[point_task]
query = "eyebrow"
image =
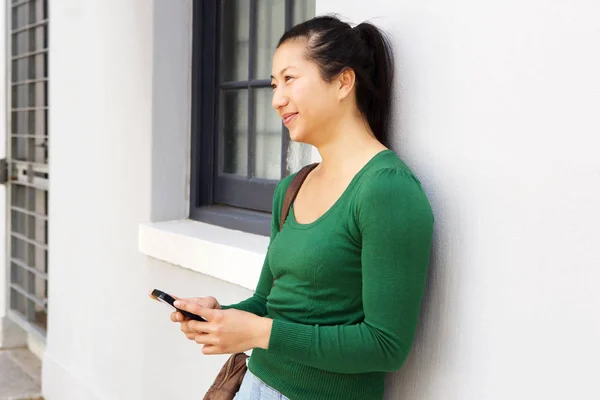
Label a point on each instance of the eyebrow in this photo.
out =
(283, 70)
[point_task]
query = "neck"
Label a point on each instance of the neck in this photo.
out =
(351, 142)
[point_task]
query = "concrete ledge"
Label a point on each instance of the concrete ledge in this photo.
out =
(229, 255)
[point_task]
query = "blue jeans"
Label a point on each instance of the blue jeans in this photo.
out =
(254, 389)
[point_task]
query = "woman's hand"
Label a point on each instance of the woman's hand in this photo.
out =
(204, 302)
(226, 331)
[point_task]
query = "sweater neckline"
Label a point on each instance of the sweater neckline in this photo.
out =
(292, 214)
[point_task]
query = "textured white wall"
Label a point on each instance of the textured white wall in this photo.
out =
(119, 120)
(495, 116)
(100, 123)
(497, 113)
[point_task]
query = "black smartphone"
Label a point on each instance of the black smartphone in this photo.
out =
(168, 299)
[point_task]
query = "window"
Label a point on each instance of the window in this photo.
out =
(240, 148)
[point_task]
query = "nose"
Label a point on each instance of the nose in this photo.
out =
(279, 99)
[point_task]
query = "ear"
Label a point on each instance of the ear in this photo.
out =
(345, 82)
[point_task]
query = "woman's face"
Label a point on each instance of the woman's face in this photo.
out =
(306, 103)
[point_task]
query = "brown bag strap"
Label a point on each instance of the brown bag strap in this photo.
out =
(292, 192)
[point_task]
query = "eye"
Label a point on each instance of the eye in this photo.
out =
(273, 86)
(287, 78)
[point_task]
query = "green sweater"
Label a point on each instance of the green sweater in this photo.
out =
(345, 291)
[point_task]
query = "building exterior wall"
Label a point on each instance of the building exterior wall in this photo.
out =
(119, 157)
(495, 113)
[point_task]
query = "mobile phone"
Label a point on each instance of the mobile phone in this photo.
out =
(169, 300)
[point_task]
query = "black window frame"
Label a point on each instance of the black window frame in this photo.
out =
(230, 201)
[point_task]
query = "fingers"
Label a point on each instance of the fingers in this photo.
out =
(205, 339)
(206, 302)
(188, 333)
(200, 327)
(190, 328)
(198, 331)
(210, 349)
(196, 327)
(185, 328)
(207, 313)
(194, 330)
(176, 316)
(191, 336)
(188, 306)
(201, 301)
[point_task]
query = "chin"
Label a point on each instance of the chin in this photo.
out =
(299, 136)
(296, 135)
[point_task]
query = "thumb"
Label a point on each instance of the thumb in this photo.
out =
(207, 302)
(206, 313)
(188, 306)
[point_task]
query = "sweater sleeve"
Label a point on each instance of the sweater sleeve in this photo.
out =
(396, 227)
(257, 304)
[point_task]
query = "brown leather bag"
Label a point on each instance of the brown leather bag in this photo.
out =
(292, 192)
(229, 379)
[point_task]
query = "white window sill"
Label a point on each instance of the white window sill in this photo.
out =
(229, 255)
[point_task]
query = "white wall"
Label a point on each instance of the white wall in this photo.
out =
(119, 120)
(494, 115)
(100, 126)
(497, 113)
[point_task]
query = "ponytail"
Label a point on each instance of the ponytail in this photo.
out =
(334, 46)
(374, 91)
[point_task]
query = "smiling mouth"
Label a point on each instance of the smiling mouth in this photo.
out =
(287, 118)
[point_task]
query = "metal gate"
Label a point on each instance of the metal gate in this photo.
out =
(27, 163)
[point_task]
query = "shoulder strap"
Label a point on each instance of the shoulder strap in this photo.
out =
(292, 192)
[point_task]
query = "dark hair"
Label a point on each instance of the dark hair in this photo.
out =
(334, 46)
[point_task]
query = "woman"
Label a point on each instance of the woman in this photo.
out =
(339, 295)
